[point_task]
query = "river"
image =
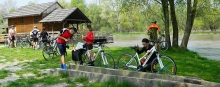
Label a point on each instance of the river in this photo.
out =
(206, 45)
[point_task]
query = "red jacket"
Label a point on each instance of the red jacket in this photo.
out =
(66, 34)
(89, 37)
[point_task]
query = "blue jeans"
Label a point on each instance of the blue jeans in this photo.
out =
(62, 48)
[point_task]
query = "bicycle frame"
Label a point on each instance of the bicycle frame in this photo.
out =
(152, 50)
(99, 48)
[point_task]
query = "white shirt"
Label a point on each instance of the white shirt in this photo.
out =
(12, 32)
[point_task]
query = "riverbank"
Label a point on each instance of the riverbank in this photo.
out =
(27, 67)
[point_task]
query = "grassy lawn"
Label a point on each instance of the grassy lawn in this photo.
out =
(188, 64)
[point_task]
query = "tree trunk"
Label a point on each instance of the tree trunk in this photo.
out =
(166, 17)
(189, 22)
(174, 24)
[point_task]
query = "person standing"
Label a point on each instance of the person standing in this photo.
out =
(89, 38)
(44, 35)
(11, 35)
(64, 36)
(153, 31)
(35, 33)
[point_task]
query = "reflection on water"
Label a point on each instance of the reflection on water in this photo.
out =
(206, 45)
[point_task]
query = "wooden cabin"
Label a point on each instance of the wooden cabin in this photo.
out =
(50, 15)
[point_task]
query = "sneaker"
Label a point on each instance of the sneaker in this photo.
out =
(64, 66)
(81, 62)
(61, 66)
(91, 63)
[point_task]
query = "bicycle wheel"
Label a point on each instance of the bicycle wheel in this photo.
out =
(163, 45)
(127, 62)
(19, 44)
(48, 53)
(25, 44)
(7, 43)
(110, 63)
(167, 63)
(85, 58)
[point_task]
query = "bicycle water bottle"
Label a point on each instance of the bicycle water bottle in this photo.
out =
(143, 60)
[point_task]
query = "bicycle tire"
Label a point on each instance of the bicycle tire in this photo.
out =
(164, 45)
(19, 44)
(85, 58)
(48, 53)
(7, 44)
(99, 62)
(168, 63)
(124, 59)
(25, 44)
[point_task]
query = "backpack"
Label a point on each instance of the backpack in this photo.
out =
(64, 30)
(44, 34)
(35, 32)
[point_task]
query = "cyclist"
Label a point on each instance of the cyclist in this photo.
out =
(44, 36)
(34, 34)
(12, 36)
(64, 36)
(146, 48)
(89, 38)
(153, 31)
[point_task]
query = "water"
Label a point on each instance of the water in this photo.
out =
(205, 45)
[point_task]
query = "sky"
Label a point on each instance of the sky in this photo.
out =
(20, 3)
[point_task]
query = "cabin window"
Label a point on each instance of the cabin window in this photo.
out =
(21, 20)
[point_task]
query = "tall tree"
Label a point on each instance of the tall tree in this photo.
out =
(166, 20)
(191, 12)
(174, 24)
(78, 3)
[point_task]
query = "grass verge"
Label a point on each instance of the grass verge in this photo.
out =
(188, 64)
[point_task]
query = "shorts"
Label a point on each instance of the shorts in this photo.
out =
(89, 46)
(35, 39)
(12, 38)
(45, 41)
(62, 48)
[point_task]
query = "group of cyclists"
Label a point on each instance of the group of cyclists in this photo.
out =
(66, 34)
(35, 34)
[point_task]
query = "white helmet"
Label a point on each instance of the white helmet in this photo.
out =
(35, 26)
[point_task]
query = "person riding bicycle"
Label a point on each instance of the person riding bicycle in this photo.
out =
(146, 48)
(89, 38)
(34, 34)
(12, 36)
(64, 36)
(44, 36)
(153, 31)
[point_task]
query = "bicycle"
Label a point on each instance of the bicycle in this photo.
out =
(161, 64)
(27, 43)
(48, 52)
(160, 45)
(19, 42)
(7, 42)
(107, 59)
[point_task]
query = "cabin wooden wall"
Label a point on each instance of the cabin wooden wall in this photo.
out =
(56, 26)
(25, 24)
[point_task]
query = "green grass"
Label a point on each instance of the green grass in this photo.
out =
(3, 73)
(47, 80)
(188, 64)
(82, 79)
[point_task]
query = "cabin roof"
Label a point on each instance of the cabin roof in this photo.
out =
(30, 10)
(71, 15)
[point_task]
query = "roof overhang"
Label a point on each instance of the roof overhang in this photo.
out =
(73, 16)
